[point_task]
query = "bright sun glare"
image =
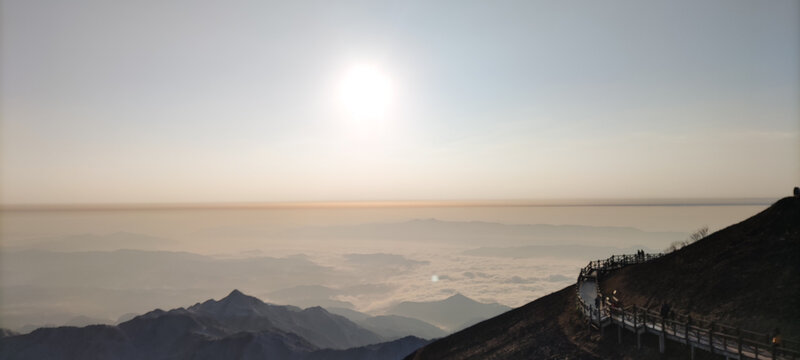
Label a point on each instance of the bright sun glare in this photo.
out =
(366, 92)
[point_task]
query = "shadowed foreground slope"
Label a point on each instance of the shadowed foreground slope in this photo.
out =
(541, 329)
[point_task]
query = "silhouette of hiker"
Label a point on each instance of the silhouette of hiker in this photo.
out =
(664, 310)
(776, 337)
(796, 191)
(597, 301)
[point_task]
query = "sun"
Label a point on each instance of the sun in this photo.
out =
(366, 92)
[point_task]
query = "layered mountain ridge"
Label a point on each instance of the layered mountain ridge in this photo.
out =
(238, 326)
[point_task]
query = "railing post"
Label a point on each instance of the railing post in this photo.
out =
(623, 317)
(636, 327)
(600, 323)
(711, 337)
(645, 319)
(739, 336)
(725, 345)
(661, 336)
(686, 334)
(599, 319)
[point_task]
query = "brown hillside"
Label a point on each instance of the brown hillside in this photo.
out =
(538, 330)
(746, 275)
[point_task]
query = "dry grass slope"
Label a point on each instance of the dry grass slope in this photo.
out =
(746, 275)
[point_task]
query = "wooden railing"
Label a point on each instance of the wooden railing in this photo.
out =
(704, 334)
(616, 262)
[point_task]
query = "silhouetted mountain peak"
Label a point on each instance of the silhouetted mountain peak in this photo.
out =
(457, 297)
(450, 312)
(238, 297)
(236, 304)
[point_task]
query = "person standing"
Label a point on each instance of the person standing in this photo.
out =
(776, 338)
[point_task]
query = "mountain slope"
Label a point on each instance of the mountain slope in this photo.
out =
(533, 331)
(252, 345)
(91, 342)
(170, 332)
(396, 349)
(746, 274)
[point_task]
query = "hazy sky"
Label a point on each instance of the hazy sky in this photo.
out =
(175, 101)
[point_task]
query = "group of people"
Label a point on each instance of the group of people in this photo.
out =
(613, 301)
(640, 255)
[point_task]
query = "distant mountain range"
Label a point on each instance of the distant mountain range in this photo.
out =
(104, 284)
(238, 326)
(479, 233)
(555, 251)
(98, 242)
(449, 313)
(391, 326)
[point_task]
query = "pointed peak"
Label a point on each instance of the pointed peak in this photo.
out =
(458, 296)
(239, 297)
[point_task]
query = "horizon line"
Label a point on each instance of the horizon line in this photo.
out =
(125, 206)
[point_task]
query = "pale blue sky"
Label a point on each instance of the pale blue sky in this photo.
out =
(181, 101)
